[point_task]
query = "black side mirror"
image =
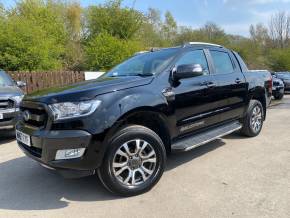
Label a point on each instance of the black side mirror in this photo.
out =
(20, 84)
(188, 71)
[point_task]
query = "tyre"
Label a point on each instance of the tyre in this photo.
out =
(279, 96)
(134, 161)
(253, 121)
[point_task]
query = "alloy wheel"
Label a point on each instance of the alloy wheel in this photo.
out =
(256, 119)
(134, 162)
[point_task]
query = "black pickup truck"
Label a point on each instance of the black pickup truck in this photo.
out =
(124, 124)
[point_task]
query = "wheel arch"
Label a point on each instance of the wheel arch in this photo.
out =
(260, 95)
(149, 117)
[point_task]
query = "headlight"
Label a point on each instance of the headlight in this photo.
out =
(67, 110)
(17, 99)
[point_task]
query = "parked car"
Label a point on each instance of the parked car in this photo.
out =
(278, 88)
(123, 124)
(10, 98)
(285, 77)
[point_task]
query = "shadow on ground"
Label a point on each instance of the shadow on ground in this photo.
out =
(6, 136)
(25, 185)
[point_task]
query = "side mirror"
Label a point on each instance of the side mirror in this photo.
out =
(20, 84)
(188, 71)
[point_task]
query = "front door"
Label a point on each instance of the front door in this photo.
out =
(195, 103)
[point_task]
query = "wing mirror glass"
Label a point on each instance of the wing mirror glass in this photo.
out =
(20, 84)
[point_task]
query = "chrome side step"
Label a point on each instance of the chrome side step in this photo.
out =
(192, 142)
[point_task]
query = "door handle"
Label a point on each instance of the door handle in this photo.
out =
(210, 84)
(238, 80)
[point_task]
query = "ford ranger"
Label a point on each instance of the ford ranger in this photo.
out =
(122, 125)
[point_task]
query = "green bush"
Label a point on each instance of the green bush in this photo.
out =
(105, 51)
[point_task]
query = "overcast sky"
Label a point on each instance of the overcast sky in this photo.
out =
(235, 16)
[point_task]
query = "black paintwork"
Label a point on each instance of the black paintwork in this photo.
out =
(285, 77)
(184, 107)
(278, 87)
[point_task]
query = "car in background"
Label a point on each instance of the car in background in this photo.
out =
(10, 98)
(278, 88)
(285, 77)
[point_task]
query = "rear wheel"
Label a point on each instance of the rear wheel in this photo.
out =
(134, 162)
(253, 121)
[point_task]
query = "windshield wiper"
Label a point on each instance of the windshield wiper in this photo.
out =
(143, 74)
(138, 74)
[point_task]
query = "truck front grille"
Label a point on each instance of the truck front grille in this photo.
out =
(33, 114)
(6, 104)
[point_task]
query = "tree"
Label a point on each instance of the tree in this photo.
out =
(279, 29)
(169, 28)
(150, 31)
(105, 51)
(74, 51)
(259, 34)
(120, 22)
(211, 32)
(32, 37)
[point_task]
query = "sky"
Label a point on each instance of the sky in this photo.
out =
(234, 16)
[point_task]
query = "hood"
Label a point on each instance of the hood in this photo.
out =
(87, 90)
(9, 91)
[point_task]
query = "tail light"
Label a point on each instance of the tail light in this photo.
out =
(271, 84)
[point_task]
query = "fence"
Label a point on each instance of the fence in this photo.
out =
(36, 81)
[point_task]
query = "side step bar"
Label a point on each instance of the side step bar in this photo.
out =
(192, 142)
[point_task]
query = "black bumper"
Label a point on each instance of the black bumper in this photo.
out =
(278, 90)
(9, 119)
(45, 144)
(287, 85)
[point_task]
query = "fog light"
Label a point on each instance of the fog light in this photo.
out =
(69, 153)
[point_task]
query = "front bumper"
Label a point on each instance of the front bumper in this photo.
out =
(278, 90)
(9, 118)
(287, 85)
(45, 144)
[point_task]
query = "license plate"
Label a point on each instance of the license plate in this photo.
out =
(1, 117)
(23, 138)
(274, 88)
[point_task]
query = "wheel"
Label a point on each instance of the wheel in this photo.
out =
(253, 121)
(279, 96)
(134, 161)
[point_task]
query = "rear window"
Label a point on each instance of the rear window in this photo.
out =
(242, 64)
(222, 62)
(283, 75)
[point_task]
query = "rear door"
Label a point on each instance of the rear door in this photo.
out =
(231, 90)
(195, 103)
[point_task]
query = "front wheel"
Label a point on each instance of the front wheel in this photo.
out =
(253, 121)
(134, 161)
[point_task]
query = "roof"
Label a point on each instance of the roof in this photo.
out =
(202, 43)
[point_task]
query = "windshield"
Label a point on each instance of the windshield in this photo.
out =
(145, 64)
(5, 80)
(283, 75)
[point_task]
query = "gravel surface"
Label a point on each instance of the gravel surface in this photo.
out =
(231, 177)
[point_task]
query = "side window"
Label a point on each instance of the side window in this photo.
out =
(194, 57)
(222, 62)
